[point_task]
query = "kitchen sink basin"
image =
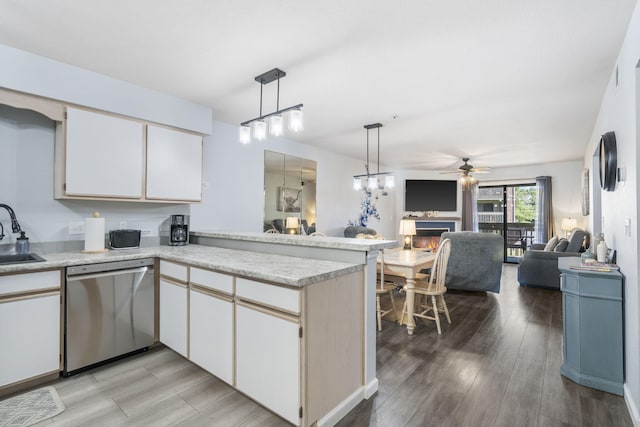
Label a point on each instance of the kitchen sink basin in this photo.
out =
(20, 258)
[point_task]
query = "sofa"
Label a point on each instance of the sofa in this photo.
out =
(539, 265)
(475, 263)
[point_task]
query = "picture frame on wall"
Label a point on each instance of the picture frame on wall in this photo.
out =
(289, 199)
(585, 192)
(610, 257)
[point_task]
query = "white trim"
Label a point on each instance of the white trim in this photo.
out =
(631, 406)
(371, 388)
(531, 181)
(342, 409)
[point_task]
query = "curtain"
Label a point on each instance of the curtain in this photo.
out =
(544, 210)
(470, 207)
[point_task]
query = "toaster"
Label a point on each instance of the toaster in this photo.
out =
(124, 239)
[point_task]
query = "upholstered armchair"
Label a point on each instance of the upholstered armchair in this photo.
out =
(539, 265)
(475, 263)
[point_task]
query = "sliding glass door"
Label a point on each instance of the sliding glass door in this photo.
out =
(509, 210)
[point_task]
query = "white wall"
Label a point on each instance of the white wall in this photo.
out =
(26, 184)
(233, 199)
(619, 113)
(566, 187)
(25, 72)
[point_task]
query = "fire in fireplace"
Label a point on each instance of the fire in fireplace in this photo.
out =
(428, 238)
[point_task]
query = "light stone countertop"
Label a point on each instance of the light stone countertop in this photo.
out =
(287, 270)
(363, 245)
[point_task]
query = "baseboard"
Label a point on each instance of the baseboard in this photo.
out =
(342, 409)
(631, 406)
(371, 388)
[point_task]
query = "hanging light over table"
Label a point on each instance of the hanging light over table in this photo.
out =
(377, 180)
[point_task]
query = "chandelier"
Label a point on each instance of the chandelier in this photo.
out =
(275, 122)
(377, 180)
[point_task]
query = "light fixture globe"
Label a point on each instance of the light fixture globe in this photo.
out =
(276, 125)
(259, 129)
(244, 134)
(372, 183)
(296, 120)
(357, 183)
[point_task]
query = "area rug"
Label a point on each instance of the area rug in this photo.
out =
(30, 408)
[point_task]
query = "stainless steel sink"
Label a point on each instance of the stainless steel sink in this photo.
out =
(20, 258)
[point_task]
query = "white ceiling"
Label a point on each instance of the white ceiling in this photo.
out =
(505, 82)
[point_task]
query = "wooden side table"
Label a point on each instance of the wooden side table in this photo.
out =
(593, 328)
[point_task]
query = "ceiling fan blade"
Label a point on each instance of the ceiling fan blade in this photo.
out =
(446, 172)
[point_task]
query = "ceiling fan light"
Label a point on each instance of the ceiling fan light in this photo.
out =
(357, 183)
(276, 125)
(259, 129)
(244, 134)
(296, 120)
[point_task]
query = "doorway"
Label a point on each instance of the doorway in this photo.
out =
(509, 210)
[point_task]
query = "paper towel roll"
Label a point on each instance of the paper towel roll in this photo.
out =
(94, 233)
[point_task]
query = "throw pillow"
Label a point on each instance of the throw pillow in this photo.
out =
(551, 244)
(561, 246)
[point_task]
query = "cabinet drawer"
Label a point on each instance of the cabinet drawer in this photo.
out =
(271, 295)
(212, 280)
(18, 283)
(175, 271)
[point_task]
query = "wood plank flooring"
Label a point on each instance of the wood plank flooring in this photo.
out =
(497, 364)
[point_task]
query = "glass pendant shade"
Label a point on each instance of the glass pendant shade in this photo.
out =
(244, 134)
(276, 125)
(357, 184)
(372, 183)
(259, 129)
(389, 181)
(296, 120)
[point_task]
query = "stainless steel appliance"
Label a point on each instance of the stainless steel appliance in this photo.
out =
(109, 311)
(124, 239)
(179, 230)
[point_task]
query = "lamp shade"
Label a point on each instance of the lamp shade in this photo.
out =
(292, 222)
(568, 224)
(407, 227)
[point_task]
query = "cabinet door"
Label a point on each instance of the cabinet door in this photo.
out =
(29, 337)
(211, 334)
(174, 165)
(173, 316)
(104, 155)
(268, 360)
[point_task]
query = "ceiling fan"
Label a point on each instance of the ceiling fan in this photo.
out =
(465, 170)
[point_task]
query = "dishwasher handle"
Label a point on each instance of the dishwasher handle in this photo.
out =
(108, 273)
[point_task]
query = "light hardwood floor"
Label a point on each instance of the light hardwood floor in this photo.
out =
(496, 365)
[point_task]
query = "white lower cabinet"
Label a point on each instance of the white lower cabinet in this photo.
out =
(29, 326)
(268, 359)
(173, 316)
(211, 333)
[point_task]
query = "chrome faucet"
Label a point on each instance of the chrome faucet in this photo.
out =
(15, 226)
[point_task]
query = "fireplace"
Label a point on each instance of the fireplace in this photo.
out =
(428, 233)
(428, 238)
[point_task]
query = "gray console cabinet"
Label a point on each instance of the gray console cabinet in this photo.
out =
(593, 329)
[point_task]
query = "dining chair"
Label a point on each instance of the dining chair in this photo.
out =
(434, 287)
(272, 231)
(384, 287)
(318, 234)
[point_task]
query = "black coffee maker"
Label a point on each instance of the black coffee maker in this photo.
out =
(178, 230)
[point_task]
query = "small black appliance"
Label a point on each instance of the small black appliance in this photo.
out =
(179, 230)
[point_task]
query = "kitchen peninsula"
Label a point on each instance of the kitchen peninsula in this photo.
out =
(301, 311)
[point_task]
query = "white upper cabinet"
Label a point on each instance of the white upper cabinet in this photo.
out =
(174, 165)
(104, 156)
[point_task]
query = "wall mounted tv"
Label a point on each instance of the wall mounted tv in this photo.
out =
(430, 195)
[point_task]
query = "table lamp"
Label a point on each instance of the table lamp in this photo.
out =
(568, 224)
(407, 229)
(292, 223)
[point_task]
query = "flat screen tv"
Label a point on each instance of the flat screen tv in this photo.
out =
(430, 195)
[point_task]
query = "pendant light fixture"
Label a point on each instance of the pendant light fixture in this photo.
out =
(271, 122)
(378, 180)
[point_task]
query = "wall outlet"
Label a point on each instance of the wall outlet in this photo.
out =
(76, 227)
(122, 225)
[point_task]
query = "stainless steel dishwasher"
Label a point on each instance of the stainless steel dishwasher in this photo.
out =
(109, 312)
